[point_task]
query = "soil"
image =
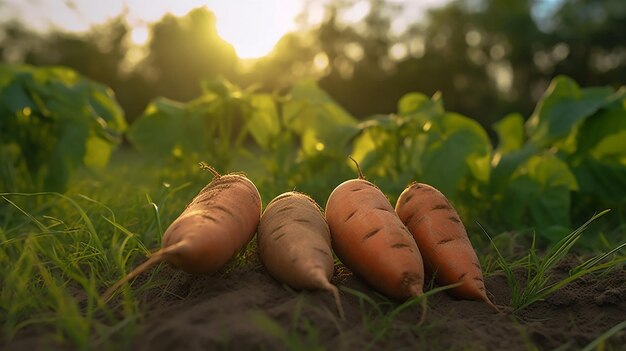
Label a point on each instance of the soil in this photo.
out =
(246, 309)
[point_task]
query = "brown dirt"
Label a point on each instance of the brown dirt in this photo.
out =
(245, 309)
(227, 312)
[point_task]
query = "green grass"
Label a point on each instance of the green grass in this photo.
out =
(59, 252)
(538, 283)
(306, 340)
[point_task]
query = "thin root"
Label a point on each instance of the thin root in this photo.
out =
(424, 309)
(155, 258)
(486, 299)
(358, 168)
(333, 289)
(206, 167)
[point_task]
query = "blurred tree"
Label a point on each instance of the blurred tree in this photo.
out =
(480, 54)
(97, 54)
(184, 51)
(294, 58)
(589, 42)
(359, 58)
(487, 57)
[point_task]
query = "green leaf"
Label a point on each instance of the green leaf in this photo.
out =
(166, 129)
(97, 153)
(66, 156)
(538, 192)
(510, 131)
(107, 113)
(505, 166)
(563, 106)
(612, 146)
(463, 149)
(55, 111)
(550, 171)
(416, 102)
(312, 113)
(15, 98)
(264, 124)
(604, 180)
(606, 123)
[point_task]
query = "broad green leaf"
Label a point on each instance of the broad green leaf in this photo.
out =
(67, 154)
(563, 106)
(604, 180)
(370, 151)
(264, 124)
(550, 171)
(209, 127)
(220, 87)
(613, 146)
(311, 112)
(416, 102)
(505, 166)
(108, 114)
(464, 149)
(97, 153)
(309, 91)
(15, 98)
(550, 208)
(538, 194)
(163, 129)
(444, 163)
(54, 110)
(510, 131)
(608, 121)
(478, 149)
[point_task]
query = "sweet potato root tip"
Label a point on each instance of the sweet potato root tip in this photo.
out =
(333, 290)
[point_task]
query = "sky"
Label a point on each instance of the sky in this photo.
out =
(253, 27)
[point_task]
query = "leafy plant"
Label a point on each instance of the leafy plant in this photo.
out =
(52, 121)
(210, 127)
(567, 152)
(424, 142)
(285, 141)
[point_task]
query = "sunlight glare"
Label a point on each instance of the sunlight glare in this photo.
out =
(253, 27)
(140, 35)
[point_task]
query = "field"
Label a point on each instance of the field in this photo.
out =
(78, 211)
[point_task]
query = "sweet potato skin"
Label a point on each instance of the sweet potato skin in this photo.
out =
(369, 238)
(442, 240)
(294, 241)
(216, 224)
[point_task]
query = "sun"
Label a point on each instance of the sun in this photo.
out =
(253, 27)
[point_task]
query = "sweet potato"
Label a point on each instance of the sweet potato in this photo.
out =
(294, 244)
(369, 238)
(442, 240)
(213, 227)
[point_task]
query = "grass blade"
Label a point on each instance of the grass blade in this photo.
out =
(595, 344)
